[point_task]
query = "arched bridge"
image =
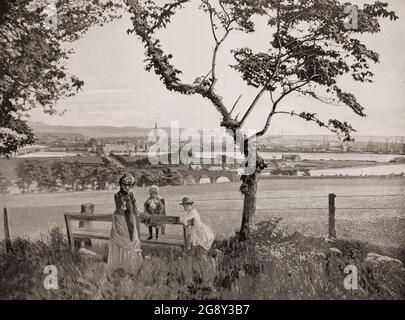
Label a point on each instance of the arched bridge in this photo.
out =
(213, 176)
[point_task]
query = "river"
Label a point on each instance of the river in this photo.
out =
(266, 155)
(333, 156)
(378, 170)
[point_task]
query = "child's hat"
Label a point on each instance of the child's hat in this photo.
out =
(186, 200)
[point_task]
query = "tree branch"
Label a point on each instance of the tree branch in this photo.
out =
(234, 105)
(273, 110)
(259, 95)
(218, 42)
(333, 125)
(169, 74)
(252, 105)
(210, 11)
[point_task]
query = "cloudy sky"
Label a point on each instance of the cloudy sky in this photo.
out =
(119, 92)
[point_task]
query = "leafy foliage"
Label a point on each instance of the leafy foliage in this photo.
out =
(54, 175)
(28, 172)
(79, 175)
(32, 59)
(165, 177)
(311, 48)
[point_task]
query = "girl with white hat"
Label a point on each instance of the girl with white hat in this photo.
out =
(201, 235)
(153, 206)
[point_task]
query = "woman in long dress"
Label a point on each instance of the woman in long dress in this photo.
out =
(201, 235)
(125, 247)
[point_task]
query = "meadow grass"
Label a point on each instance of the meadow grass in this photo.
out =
(271, 265)
(303, 205)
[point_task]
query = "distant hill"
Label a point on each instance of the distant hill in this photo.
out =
(108, 131)
(90, 131)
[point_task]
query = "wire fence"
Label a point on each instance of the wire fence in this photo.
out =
(301, 204)
(308, 198)
(301, 197)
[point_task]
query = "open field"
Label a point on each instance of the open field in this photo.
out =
(302, 203)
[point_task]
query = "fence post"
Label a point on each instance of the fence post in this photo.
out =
(86, 208)
(332, 209)
(163, 227)
(69, 231)
(7, 231)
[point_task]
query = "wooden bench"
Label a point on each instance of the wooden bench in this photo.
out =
(77, 235)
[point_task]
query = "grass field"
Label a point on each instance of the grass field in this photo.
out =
(271, 265)
(301, 203)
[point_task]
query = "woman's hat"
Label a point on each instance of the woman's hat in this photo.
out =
(127, 179)
(186, 200)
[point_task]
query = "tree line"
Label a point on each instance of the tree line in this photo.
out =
(77, 176)
(165, 177)
(70, 175)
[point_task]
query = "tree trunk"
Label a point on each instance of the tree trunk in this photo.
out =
(249, 190)
(249, 205)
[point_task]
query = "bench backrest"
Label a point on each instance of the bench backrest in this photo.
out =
(159, 219)
(89, 217)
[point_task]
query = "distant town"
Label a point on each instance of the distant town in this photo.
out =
(90, 158)
(98, 140)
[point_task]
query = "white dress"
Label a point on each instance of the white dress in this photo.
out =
(122, 252)
(201, 234)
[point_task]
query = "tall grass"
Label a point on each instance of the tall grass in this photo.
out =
(272, 265)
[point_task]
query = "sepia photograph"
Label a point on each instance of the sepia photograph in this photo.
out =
(202, 156)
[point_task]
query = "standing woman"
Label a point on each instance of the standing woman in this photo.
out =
(125, 247)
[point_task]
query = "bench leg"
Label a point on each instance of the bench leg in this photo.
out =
(186, 234)
(80, 244)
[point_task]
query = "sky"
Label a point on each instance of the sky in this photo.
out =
(119, 92)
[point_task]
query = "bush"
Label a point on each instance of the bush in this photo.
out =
(165, 177)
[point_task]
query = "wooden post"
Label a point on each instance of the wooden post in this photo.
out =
(187, 235)
(332, 209)
(86, 208)
(186, 238)
(163, 228)
(7, 232)
(69, 231)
